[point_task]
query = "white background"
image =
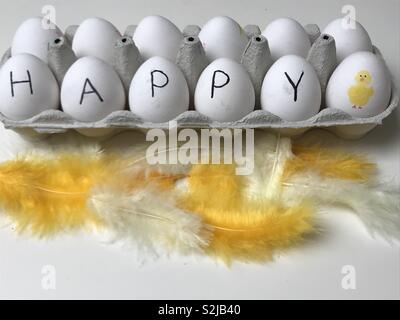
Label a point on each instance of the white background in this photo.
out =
(87, 268)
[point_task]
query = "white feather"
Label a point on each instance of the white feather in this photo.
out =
(270, 154)
(150, 221)
(378, 208)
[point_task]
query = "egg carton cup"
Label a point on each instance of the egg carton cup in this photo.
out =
(192, 60)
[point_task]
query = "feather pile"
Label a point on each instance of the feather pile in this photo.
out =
(195, 209)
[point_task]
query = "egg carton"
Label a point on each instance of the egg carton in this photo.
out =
(192, 61)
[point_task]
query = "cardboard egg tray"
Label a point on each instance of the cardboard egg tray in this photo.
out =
(192, 61)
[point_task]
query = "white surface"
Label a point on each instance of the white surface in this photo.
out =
(85, 268)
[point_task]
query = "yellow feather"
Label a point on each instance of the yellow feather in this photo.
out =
(46, 193)
(244, 229)
(214, 186)
(328, 164)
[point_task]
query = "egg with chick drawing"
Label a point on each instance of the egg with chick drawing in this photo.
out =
(360, 85)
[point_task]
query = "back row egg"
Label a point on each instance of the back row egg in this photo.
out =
(350, 37)
(33, 36)
(96, 37)
(157, 36)
(287, 37)
(223, 37)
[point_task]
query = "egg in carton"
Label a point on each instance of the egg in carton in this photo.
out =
(192, 60)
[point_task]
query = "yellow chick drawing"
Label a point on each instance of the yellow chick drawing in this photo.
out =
(360, 93)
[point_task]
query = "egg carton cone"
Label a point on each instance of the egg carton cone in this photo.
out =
(192, 60)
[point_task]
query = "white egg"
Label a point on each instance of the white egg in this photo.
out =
(291, 89)
(350, 37)
(27, 87)
(360, 85)
(91, 90)
(223, 37)
(158, 91)
(95, 37)
(34, 36)
(224, 91)
(157, 36)
(285, 37)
